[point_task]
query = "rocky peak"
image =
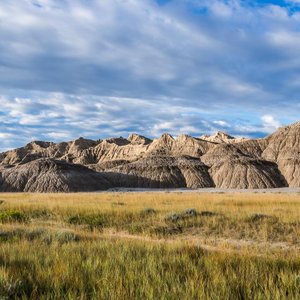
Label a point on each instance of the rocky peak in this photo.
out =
(166, 138)
(136, 139)
(222, 138)
(38, 145)
(83, 143)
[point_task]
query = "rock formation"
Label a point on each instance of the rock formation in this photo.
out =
(221, 138)
(167, 162)
(163, 172)
(48, 175)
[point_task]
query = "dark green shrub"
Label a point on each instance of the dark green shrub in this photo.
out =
(258, 217)
(10, 289)
(190, 212)
(166, 230)
(66, 236)
(94, 221)
(118, 203)
(13, 216)
(174, 217)
(148, 211)
(207, 214)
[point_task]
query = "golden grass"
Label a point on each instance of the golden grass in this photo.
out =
(150, 246)
(283, 205)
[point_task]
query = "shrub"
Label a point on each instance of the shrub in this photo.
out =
(66, 236)
(148, 211)
(118, 203)
(10, 289)
(40, 213)
(207, 213)
(35, 233)
(165, 230)
(8, 235)
(98, 221)
(174, 217)
(190, 212)
(13, 216)
(258, 217)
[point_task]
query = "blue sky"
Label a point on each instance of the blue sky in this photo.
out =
(101, 68)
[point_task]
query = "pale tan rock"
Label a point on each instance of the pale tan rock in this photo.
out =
(222, 138)
(136, 139)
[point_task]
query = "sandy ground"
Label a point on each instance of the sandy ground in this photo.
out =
(205, 190)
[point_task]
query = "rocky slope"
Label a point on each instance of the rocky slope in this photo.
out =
(48, 175)
(167, 162)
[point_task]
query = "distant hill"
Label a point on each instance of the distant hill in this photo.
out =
(220, 161)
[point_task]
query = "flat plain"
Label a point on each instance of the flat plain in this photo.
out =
(147, 245)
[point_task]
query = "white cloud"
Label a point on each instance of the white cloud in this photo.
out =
(5, 135)
(221, 123)
(58, 135)
(219, 8)
(270, 124)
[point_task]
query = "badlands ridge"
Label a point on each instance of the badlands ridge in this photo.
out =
(219, 161)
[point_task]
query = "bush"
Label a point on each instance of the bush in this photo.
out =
(98, 221)
(258, 217)
(40, 213)
(207, 213)
(10, 289)
(165, 230)
(9, 235)
(148, 211)
(174, 217)
(13, 216)
(118, 203)
(190, 212)
(66, 236)
(35, 233)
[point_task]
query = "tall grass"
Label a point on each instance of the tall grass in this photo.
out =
(135, 270)
(149, 246)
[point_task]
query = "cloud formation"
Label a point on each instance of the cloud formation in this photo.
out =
(102, 68)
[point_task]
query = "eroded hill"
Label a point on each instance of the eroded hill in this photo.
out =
(220, 161)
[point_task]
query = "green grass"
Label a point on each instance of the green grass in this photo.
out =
(149, 246)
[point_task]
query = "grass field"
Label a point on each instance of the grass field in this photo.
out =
(150, 246)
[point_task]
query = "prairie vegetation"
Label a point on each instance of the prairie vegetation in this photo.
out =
(150, 246)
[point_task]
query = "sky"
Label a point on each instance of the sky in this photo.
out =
(103, 68)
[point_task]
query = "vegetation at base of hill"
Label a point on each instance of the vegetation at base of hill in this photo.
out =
(152, 246)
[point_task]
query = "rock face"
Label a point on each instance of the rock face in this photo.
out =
(245, 173)
(48, 175)
(162, 172)
(283, 148)
(167, 162)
